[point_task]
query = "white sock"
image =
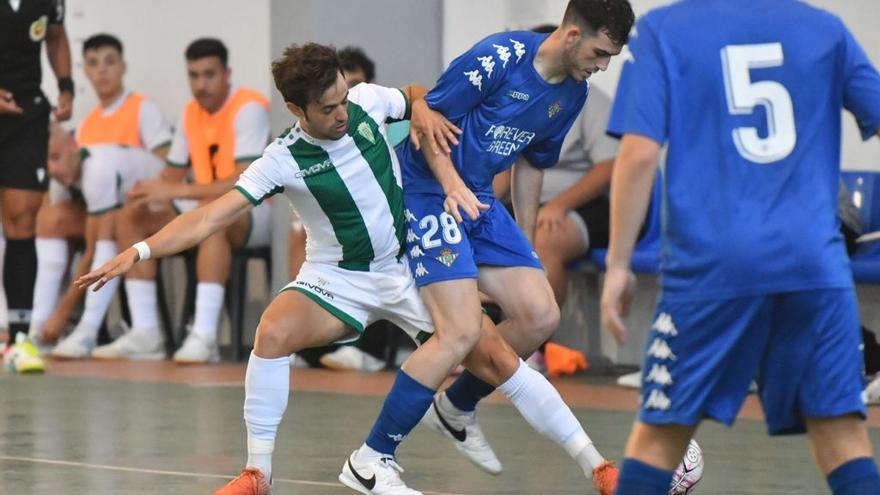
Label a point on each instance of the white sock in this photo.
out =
(4, 309)
(266, 389)
(142, 300)
(209, 303)
(51, 265)
(542, 407)
(96, 303)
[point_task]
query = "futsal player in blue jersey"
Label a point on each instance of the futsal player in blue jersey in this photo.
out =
(514, 96)
(755, 277)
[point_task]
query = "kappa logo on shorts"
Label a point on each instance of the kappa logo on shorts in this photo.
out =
(658, 400)
(664, 325)
(409, 215)
(421, 271)
(660, 349)
(447, 257)
(411, 236)
(416, 252)
(660, 375)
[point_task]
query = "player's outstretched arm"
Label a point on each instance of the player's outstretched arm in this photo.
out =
(183, 232)
(631, 181)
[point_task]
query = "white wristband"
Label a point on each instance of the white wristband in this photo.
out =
(143, 250)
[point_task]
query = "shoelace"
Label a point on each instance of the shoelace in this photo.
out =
(392, 477)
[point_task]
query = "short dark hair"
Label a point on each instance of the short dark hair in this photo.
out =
(207, 47)
(101, 40)
(545, 28)
(613, 17)
(352, 58)
(304, 72)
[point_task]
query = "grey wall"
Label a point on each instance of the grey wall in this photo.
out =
(403, 37)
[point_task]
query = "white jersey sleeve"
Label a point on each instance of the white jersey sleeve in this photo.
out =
(178, 154)
(379, 102)
(101, 183)
(262, 179)
(155, 131)
(252, 131)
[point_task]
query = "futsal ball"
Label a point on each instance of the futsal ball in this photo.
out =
(689, 472)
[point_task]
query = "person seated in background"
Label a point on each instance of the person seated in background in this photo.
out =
(95, 178)
(122, 117)
(369, 353)
(220, 131)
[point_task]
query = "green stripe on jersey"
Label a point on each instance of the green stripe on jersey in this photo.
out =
(371, 142)
(336, 201)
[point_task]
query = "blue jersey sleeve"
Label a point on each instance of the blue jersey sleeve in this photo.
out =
(641, 104)
(472, 77)
(545, 153)
(861, 86)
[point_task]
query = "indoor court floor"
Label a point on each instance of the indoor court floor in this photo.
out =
(157, 428)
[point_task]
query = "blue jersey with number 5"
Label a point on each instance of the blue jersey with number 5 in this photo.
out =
(750, 107)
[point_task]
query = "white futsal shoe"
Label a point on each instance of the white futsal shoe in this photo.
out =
(464, 431)
(372, 475)
(197, 349)
(136, 345)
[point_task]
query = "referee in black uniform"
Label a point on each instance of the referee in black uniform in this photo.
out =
(24, 136)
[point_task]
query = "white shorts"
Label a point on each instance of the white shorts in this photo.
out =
(362, 298)
(260, 233)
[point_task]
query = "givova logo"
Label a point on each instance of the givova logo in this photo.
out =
(315, 169)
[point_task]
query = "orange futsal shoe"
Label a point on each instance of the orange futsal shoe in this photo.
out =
(250, 482)
(605, 478)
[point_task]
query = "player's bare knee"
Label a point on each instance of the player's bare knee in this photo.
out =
(459, 340)
(272, 339)
(20, 222)
(540, 318)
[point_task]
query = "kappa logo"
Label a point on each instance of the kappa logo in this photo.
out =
(664, 325)
(503, 54)
(366, 131)
(475, 78)
(447, 257)
(397, 437)
(421, 271)
(658, 400)
(409, 216)
(314, 169)
(416, 252)
(411, 236)
(660, 349)
(660, 375)
(518, 48)
(488, 64)
(554, 109)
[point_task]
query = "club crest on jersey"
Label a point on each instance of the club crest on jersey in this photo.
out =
(38, 29)
(447, 257)
(554, 109)
(367, 132)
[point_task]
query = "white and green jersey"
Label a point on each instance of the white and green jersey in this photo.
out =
(348, 191)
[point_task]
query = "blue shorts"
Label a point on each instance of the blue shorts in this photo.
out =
(802, 348)
(441, 249)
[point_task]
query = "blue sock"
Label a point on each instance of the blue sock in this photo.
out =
(638, 478)
(406, 403)
(467, 390)
(856, 477)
